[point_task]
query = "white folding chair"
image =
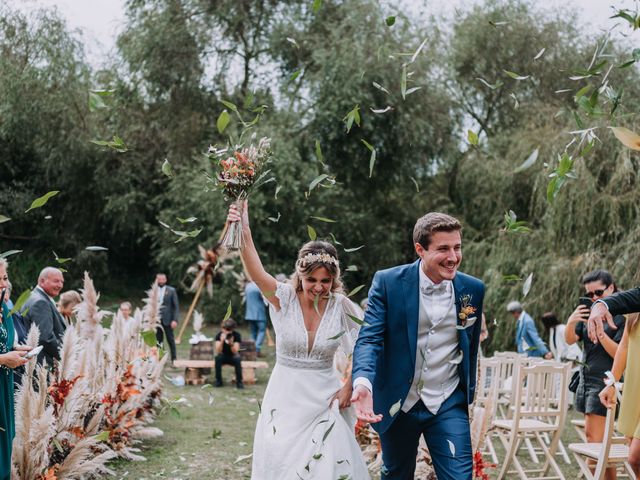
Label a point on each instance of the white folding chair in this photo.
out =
(612, 452)
(539, 409)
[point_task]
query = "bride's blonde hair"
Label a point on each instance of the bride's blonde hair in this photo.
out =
(314, 255)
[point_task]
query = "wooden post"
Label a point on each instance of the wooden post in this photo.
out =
(192, 307)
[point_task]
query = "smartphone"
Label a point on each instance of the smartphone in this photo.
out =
(34, 352)
(586, 301)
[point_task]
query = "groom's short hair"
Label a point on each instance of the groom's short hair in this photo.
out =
(431, 223)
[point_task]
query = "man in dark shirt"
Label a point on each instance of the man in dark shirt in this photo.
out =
(227, 347)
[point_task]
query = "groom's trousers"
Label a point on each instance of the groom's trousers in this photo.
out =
(446, 433)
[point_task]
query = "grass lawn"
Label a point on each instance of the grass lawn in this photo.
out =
(213, 434)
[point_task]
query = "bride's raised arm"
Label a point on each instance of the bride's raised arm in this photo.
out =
(250, 258)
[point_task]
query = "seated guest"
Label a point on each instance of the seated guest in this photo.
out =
(227, 347)
(68, 301)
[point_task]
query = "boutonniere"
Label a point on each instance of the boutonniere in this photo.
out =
(466, 312)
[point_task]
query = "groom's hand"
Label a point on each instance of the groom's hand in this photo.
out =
(362, 400)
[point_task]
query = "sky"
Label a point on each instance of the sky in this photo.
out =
(99, 21)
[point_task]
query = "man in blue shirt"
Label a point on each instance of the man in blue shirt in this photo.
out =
(527, 338)
(255, 314)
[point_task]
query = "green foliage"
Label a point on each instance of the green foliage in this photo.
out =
(372, 125)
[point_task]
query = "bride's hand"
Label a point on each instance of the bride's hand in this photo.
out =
(235, 216)
(343, 396)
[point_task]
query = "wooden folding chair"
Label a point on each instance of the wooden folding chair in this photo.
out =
(539, 410)
(486, 397)
(612, 452)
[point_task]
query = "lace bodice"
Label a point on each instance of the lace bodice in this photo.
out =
(336, 330)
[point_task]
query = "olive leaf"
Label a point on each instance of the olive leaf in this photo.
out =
(42, 201)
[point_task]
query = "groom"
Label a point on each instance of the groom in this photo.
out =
(414, 364)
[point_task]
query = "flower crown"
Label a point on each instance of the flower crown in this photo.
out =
(311, 258)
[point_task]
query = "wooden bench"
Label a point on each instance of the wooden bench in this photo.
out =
(248, 367)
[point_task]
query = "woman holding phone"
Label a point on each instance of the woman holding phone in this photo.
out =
(597, 358)
(10, 358)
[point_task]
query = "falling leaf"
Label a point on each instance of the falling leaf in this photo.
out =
(293, 42)
(354, 249)
(96, 248)
(388, 108)
(312, 233)
(357, 320)
(390, 21)
(116, 144)
(4, 219)
(513, 225)
(275, 195)
(337, 336)
(403, 82)
(472, 137)
(381, 88)
(417, 52)
(526, 286)
(351, 117)
(24, 296)
(355, 290)
(326, 434)
(372, 161)
(324, 219)
(416, 184)
(41, 201)
(511, 278)
(458, 359)
(223, 121)
(227, 315)
(628, 138)
(515, 76)
(351, 268)
(242, 458)
(8, 253)
(452, 447)
(186, 220)
(149, 338)
(516, 103)
(469, 323)
(319, 155)
(316, 181)
(316, 5)
(61, 261)
(498, 84)
(166, 168)
(102, 436)
(274, 219)
(529, 162)
(395, 408)
(539, 54)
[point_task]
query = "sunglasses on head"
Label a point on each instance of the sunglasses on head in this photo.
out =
(596, 293)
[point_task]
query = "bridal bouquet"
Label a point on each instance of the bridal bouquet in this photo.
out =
(240, 170)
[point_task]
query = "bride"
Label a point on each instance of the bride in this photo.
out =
(305, 429)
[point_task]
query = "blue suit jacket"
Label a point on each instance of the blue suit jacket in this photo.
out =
(385, 352)
(527, 330)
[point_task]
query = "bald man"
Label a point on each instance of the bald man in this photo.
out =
(40, 309)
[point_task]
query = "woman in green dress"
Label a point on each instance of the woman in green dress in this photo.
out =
(10, 358)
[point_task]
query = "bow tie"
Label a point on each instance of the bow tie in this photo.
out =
(439, 289)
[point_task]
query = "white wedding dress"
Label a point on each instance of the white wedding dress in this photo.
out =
(299, 435)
